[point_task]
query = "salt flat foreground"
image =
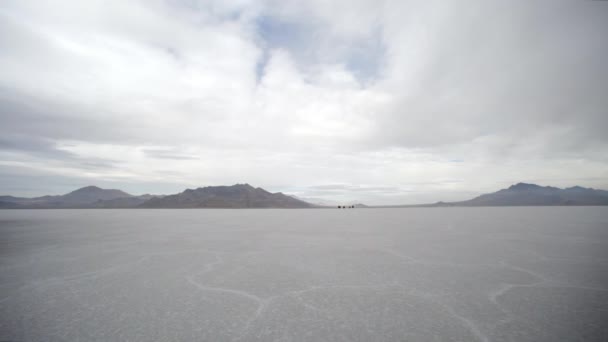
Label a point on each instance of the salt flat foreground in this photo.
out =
(437, 274)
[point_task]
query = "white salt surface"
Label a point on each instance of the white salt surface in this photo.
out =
(435, 274)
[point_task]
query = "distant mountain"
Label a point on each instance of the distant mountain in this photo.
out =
(92, 194)
(82, 198)
(235, 196)
(523, 194)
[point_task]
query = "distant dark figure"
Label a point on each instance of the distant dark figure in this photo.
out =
(339, 207)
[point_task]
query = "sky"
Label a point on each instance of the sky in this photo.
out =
(379, 102)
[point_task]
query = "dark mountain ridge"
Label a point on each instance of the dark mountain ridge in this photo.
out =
(235, 196)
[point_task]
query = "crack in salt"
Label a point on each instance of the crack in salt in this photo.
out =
(468, 323)
(261, 302)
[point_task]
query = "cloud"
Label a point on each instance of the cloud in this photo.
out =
(378, 97)
(167, 154)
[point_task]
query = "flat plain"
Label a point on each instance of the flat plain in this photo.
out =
(423, 274)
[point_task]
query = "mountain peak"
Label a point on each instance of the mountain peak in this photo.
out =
(88, 188)
(578, 188)
(524, 186)
(92, 193)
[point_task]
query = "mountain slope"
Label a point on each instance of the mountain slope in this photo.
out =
(235, 196)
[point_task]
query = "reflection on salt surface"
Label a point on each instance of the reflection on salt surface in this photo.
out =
(444, 274)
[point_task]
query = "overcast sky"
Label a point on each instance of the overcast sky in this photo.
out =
(370, 101)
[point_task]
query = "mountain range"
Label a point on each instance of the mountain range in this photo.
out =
(524, 194)
(246, 196)
(235, 196)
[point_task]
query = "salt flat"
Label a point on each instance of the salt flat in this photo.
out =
(434, 274)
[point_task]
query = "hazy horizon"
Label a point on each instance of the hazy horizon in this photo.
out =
(311, 200)
(380, 102)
